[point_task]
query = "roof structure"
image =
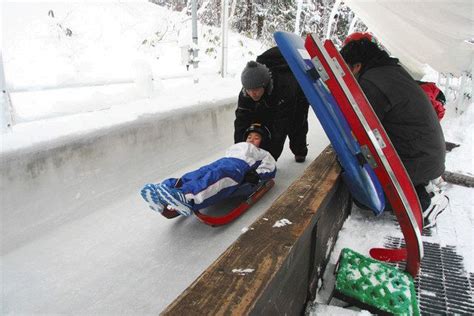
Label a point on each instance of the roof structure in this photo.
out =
(439, 33)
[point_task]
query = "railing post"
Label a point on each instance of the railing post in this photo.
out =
(6, 113)
(195, 48)
(224, 46)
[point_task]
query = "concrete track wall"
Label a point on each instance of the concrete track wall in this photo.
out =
(76, 236)
(50, 184)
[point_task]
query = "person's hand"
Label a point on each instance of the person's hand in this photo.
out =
(252, 177)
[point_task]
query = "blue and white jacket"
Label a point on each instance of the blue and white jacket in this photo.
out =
(221, 178)
(254, 157)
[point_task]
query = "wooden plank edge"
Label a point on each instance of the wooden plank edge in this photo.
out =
(240, 281)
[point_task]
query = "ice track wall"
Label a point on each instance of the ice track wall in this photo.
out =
(48, 185)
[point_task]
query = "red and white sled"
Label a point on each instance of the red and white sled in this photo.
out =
(214, 221)
(380, 152)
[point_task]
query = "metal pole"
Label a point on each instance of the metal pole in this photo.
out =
(224, 5)
(194, 19)
(6, 116)
(195, 39)
(298, 14)
(461, 99)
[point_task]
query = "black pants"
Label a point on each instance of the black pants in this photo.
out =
(294, 125)
(423, 196)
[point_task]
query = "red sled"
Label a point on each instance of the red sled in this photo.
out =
(214, 221)
(380, 153)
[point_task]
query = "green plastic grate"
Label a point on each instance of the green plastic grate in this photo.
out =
(376, 284)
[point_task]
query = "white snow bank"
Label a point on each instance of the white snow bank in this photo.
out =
(58, 129)
(328, 310)
(458, 129)
(110, 41)
(125, 54)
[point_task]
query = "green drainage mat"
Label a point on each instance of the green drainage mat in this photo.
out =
(375, 284)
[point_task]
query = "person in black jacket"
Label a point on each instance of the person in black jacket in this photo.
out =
(406, 115)
(271, 96)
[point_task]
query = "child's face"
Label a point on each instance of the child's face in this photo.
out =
(254, 138)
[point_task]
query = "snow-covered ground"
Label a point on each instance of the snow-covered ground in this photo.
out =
(121, 66)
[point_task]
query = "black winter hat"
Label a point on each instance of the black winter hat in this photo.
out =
(255, 75)
(260, 129)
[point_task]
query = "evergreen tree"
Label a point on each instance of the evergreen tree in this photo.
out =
(259, 19)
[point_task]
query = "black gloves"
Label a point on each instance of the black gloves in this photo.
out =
(252, 177)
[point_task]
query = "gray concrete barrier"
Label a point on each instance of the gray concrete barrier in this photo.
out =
(49, 184)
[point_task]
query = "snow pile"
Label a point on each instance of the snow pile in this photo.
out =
(363, 231)
(108, 41)
(281, 223)
(243, 271)
(327, 310)
(458, 129)
(116, 54)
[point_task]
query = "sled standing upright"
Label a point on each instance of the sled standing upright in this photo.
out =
(325, 63)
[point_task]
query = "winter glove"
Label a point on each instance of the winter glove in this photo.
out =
(252, 177)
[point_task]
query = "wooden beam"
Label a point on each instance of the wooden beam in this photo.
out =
(268, 269)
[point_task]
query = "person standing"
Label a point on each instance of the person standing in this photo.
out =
(271, 95)
(406, 115)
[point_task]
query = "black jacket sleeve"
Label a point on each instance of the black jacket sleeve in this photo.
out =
(243, 118)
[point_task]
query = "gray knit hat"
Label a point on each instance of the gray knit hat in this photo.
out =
(255, 75)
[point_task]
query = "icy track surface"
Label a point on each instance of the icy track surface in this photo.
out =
(110, 254)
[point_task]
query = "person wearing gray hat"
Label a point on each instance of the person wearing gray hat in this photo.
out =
(255, 76)
(271, 96)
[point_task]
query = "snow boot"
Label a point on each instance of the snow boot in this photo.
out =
(173, 199)
(299, 158)
(437, 185)
(439, 202)
(150, 195)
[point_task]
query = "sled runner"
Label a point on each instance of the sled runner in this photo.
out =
(369, 132)
(251, 193)
(357, 174)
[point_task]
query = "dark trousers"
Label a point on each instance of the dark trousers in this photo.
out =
(423, 196)
(295, 126)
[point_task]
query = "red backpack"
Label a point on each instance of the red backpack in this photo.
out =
(436, 97)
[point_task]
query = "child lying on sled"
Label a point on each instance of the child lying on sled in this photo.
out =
(243, 162)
